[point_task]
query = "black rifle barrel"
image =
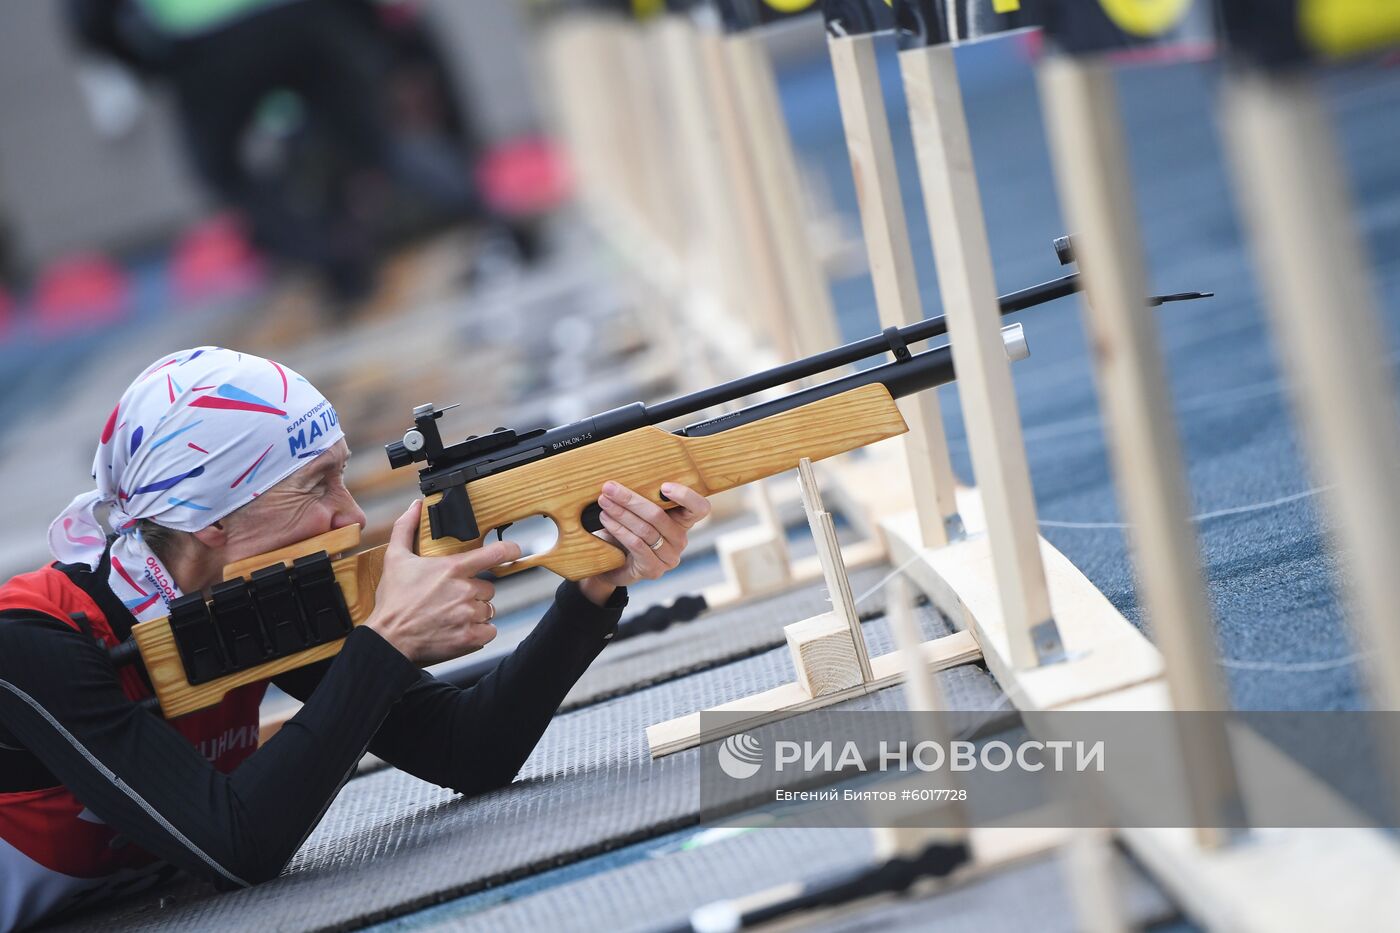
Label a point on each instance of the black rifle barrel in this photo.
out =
(902, 377)
(843, 355)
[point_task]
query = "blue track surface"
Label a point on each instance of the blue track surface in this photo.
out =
(1272, 577)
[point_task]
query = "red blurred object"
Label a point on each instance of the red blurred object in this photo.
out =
(1032, 44)
(524, 178)
(81, 290)
(7, 314)
(214, 259)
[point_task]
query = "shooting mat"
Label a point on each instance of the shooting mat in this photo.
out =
(391, 843)
(661, 888)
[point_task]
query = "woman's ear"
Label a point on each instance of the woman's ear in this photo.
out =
(213, 536)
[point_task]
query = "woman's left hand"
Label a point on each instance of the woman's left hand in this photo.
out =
(653, 537)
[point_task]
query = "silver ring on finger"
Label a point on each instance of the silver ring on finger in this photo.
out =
(490, 611)
(659, 541)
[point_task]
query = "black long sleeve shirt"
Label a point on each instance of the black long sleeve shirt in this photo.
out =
(65, 720)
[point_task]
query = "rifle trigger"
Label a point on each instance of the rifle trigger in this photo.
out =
(501, 531)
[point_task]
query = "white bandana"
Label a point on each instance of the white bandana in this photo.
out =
(199, 434)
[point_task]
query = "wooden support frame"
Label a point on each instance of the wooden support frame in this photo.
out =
(927, 468)
(1092, 168)
(968, 287)
(1104, 652)
(864, 674)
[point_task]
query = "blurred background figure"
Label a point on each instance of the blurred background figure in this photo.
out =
(330, 125)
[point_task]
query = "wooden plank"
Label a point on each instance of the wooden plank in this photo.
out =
(1310, 257)
(644, 82)
(674, 735)
(926, 701)
(927, 471)
(1104, 651)
(729, 252)
(1280, 879)
(968, 287)
(1095, 886)
(767, 299)
(838, 584)
(806, 297)
(1092, 168)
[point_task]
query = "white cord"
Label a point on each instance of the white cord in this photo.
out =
(1203, 517)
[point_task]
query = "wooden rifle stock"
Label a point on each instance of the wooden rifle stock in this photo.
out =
(562, 487)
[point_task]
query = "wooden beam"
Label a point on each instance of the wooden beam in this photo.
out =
(721, 240)
(968, 287)
(1310, 261)
(1095, 186)
(838, 584)
(824, 655)
(807, 299)
(684, 732)
(766, 298)
(927, 470)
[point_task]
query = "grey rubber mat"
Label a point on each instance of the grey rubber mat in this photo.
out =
(1032, 896)
(714, 638)
(391, 844)
(661, 891)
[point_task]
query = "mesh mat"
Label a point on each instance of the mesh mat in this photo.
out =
(713, 638)
(391, 844)
(1033, 896)
(661, 891)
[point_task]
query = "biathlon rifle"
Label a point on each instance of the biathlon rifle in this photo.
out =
(292, 607)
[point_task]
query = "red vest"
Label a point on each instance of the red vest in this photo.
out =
(53, 852)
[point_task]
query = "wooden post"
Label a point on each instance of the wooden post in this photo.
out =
(720, 240)
(929, 470)
(1091, 165)
(969, 294)
(843, 603)
(1094, 884)
(806, 298)
(928, 709)
(1310, 262)
(766, 300)
(645, 81)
